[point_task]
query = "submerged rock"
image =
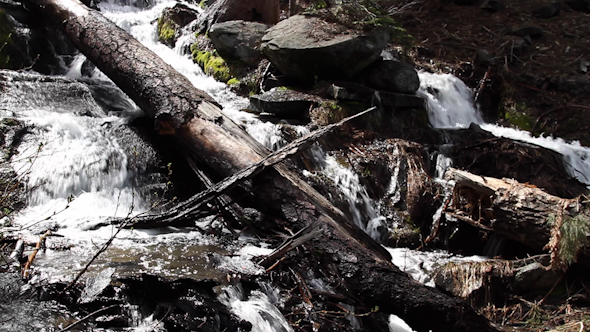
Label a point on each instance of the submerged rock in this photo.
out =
(306, 48)
(238, 40)
(283, 103)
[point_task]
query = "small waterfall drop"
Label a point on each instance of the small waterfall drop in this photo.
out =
(256, 309)
(449, 101)
(450, 105)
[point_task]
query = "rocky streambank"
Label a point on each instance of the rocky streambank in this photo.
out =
(314, 63)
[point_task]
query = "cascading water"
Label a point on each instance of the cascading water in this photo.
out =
(450, 105)
(82, 169)
(80, 174)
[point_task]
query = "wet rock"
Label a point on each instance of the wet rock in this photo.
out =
(534, 276)
(548, 10)
(579, 5)
(350, 91)
(238, 40)
(393, 171)
(306, 48)
(172, 20)
(95, 285)
(387, 100)
(528, 30)
(13, 46)
(392, 75)
(283, 103)
(10, 287)
(182, 305)
(24, 91)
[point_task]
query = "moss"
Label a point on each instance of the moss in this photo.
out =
(517, 117)
(6, 42)
(166, 31)
(212, 65)
(233, 81)
(319, 4)
(203, 4)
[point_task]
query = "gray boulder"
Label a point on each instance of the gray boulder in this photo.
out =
(283, 103)
(392, 75)
(238, 40)
(305, 48)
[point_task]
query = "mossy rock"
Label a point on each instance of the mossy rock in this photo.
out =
(11, 57)
(167, 31)
(212, 64)
(517, 116)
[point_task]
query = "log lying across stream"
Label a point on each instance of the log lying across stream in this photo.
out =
(220, 148)
(523, 213)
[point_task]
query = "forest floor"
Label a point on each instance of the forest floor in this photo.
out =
(539, 84)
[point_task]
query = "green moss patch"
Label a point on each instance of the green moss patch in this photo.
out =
(6, 42)
(166, 31)
(519, 118)
(212, 64)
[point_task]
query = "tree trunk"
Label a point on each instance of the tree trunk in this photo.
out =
(220, 147)
(263, 11)
(523, 213)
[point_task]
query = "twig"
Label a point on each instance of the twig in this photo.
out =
(32, 256)
(69, 327)
(187, 208)
(490, 31)
(482, 83)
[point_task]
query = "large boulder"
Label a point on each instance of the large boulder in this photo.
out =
(306, 48)
(238, 40)
(392, 75)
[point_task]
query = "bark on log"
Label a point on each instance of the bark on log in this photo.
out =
(517, 211)
(220, 146)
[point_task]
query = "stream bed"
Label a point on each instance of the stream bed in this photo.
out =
(84, 163)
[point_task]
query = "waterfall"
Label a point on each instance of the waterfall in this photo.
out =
(450, 105)
(449, 101)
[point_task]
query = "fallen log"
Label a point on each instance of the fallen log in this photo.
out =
(523, 213)
(220, 147)
(186, 212)
(487, 282)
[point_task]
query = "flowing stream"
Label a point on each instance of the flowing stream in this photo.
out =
(84, 166)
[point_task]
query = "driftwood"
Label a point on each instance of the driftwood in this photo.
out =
(221, 148)
(26, 269)
(487, 282)
(521, 212)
